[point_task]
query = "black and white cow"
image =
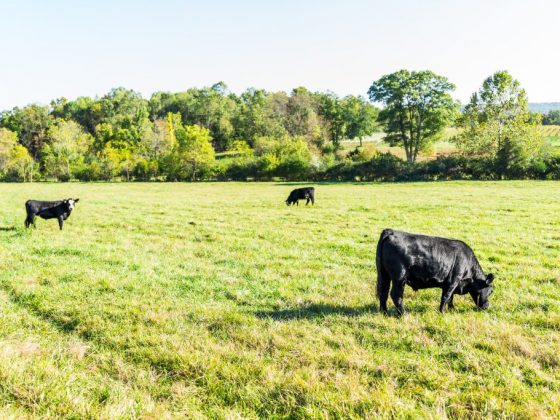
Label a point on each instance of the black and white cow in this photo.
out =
(60, 210)
(307, 193)
(427, 261)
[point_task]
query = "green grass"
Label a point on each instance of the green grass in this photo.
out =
(173, 300)
(550, 135)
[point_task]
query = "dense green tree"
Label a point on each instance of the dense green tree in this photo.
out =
(161, 104)
(31, 125)
(361, 118)
(417, 108)
(212, 108)
(332, 110)
(497, 124)
(21, 165)
(302, 117)
(160, 138)
(257, 116)
(8, 140)
(15, 161)
(84, 110)
(68, 143)
(123, 117)
(288, 157)
(552, 117)
(195, 149)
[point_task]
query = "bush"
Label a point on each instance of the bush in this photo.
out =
(88, 172)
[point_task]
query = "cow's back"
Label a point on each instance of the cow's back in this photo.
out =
(430, 254)
(38, 205)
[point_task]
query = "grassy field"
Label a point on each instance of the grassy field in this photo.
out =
(194, 300)
(550, 135)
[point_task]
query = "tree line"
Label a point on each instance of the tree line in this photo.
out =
(211, 133)
(176, 136)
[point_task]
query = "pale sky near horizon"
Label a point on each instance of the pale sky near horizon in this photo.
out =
(76, 48)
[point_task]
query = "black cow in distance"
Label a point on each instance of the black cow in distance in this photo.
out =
(59, 210)
(307, 193)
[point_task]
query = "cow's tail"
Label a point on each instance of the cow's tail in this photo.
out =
(383, 279)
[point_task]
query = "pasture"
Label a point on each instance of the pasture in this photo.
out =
(444, 146)
(551, 134)
(173, 300)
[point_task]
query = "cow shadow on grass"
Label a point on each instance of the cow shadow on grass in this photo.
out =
(8, 228)
(324, 310)
(316, 310)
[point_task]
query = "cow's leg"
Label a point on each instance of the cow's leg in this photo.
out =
(60, 222)
(383, 286)
(307, 202)
(450, 303)
(29, 220)
(446, 296)
(397, 292)
(297, 203)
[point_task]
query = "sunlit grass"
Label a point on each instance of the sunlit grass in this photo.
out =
(218, 300)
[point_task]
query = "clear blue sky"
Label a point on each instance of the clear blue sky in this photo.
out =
(72, 48)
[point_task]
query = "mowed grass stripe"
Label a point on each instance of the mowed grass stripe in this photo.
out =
(222, 301)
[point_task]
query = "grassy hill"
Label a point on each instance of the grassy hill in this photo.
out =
(191, 300)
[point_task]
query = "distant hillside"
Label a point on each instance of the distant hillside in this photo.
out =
(544, 107)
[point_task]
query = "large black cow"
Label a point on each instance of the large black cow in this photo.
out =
(426, 261)
(307, 193)
(60, 210)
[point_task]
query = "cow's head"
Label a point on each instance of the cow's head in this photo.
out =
(71, 203)
(481, 291)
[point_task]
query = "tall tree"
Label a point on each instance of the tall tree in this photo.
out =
(361, 118)
(497, 124)
(160, 138)
(123, 114)
(552, 117)
(68, 143)
(31, 125)
(257, 116)
(195, 149)
(211, 107)
(417, 108)
(8, 140)
(83, 110)
(332, 110)
(301, 118)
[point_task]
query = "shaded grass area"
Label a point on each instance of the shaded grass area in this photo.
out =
(218, 300)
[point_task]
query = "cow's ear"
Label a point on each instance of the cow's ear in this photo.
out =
(489, 278)
(76, 200)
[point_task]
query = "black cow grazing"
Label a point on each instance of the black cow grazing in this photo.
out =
(426, 261)
(60, 210)
(307, 193)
